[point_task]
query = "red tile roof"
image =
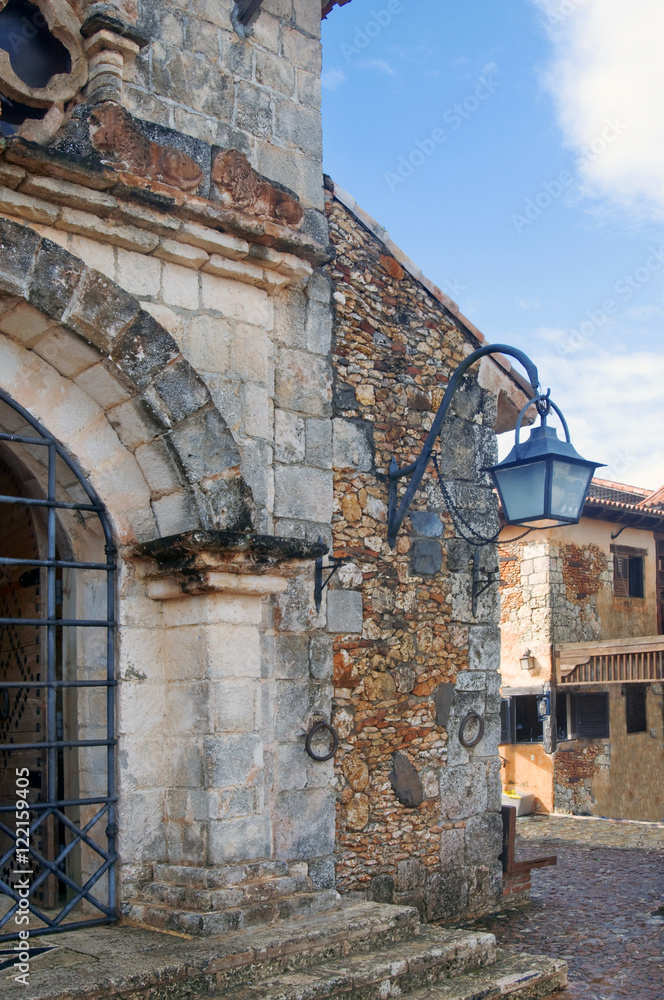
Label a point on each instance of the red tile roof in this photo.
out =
(327, 5)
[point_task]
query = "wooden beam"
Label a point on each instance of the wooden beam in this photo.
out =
(246, 10)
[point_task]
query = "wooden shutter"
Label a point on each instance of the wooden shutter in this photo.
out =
(621, 576)
(635, 708)
(505, 721)
(592, 716)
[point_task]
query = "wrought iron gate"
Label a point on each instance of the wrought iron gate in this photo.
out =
(57, 694)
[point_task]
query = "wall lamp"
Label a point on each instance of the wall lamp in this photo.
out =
(541, 479)
(527, 661)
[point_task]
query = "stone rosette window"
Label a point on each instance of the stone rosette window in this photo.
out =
(43, 66)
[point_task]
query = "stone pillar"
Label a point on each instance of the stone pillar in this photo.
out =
(110, 55)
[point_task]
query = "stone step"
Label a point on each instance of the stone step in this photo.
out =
(527, 977)
(197, 922)
(435, 954)
(226, 875)
(192, 897)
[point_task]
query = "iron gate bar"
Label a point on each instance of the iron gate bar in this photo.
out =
(60, 804)
(54, 805)
(52, 504)
(60, 563)
(55, 684)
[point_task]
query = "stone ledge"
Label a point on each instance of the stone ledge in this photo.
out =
(75, 169)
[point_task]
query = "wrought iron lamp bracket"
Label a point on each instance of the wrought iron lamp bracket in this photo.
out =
(334, 563)
(396, 511)
(478, 590)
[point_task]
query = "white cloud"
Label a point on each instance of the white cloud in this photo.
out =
(528, 303)
(379, 64)
(614, 406)
(607, 78)
(332, 78)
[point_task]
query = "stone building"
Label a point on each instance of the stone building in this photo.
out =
(182, 418)
(582, 623)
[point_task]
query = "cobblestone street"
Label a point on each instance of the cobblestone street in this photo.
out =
(597, 908)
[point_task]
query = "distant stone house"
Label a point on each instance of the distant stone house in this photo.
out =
(582, 622)
(191, 394)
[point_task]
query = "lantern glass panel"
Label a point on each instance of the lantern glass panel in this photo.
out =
(569, 487)
(522, 490)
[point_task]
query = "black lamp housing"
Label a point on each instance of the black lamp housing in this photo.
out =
(543, 479)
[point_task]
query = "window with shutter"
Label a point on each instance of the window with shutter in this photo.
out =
(636, 577)
(621, 576)
(635, 708)
(628, 571)
(505, 721)
(591, 715)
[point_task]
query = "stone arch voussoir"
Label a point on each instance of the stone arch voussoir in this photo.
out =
(96, 334)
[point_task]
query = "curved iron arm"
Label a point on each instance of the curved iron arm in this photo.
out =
(396, 512)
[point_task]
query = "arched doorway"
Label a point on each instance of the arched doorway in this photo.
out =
(57, 687)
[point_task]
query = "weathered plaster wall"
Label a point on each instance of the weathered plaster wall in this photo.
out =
(410, 657)
(529, 770)
(622, 776)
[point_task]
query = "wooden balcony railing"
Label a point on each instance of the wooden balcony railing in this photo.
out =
(611, 661)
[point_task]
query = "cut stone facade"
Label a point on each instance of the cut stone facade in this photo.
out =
(167, 313)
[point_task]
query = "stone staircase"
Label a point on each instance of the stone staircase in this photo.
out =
(213, 901)
(360, 951)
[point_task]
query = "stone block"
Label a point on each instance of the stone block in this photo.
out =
(484, 839)
(205, 445)
(381, 889)
(426, 557)
(254, 110)
(301, 127)
(235, 301)
(291, 657)
(304, 824)
(452, 849)
(158, 467)
(55, 277)
(27, 207)
(72, 220)
(446, 895)
(232, 708)
(463, 791)
(213, 241)
(302, 493)
(344, 611)
(319, 443)
(257, 407)
(292, 767)
(181, 390)
(295, 170)
(67, 353)
(143, 350)
(100, 311)
(352, 444)
(443, 698)
(484, 647)
(301, 50)
(181, 253)
(247, 838)
(410, 875)
(319, 327)
(138, 274)
(320, 657)
(308, 89)
(274, 72)
(322, 873)
(426, 523)
(176, 73)
(293, 710)
(231, 759)
(233, 651)
(303, 383)
(289, 437)
(180, 286)
(23, 323)
(142, 826)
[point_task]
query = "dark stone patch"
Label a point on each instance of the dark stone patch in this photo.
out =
(73, 140)
(426, 523)
(179, 552)
(205, 445)
(100, 309)
(410, 875)
(18, 246)
(54, 279)
(344, 397)
(315, 225)
(446, 895)
(405, 781)
(195, 148)
(426, 557)
(322, 873)
(144, 350)
(381, 889)
(443, 699)
(181, 390)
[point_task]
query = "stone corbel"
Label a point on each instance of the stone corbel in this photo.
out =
(208, 562)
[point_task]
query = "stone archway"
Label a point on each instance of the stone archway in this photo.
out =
(110, 383)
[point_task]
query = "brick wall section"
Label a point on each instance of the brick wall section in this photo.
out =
(394, 347)
(516, 889)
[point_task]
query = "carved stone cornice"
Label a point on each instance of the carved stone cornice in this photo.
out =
(207, 562)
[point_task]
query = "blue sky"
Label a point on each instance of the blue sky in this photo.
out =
(515, 150)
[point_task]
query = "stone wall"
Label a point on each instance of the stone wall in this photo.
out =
(410, 658)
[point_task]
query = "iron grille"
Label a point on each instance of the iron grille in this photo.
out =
(71, 797)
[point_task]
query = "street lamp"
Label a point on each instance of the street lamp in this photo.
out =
(544, 478)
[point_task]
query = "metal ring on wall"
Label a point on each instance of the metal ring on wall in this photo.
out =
(471, 717)
(317, 729)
